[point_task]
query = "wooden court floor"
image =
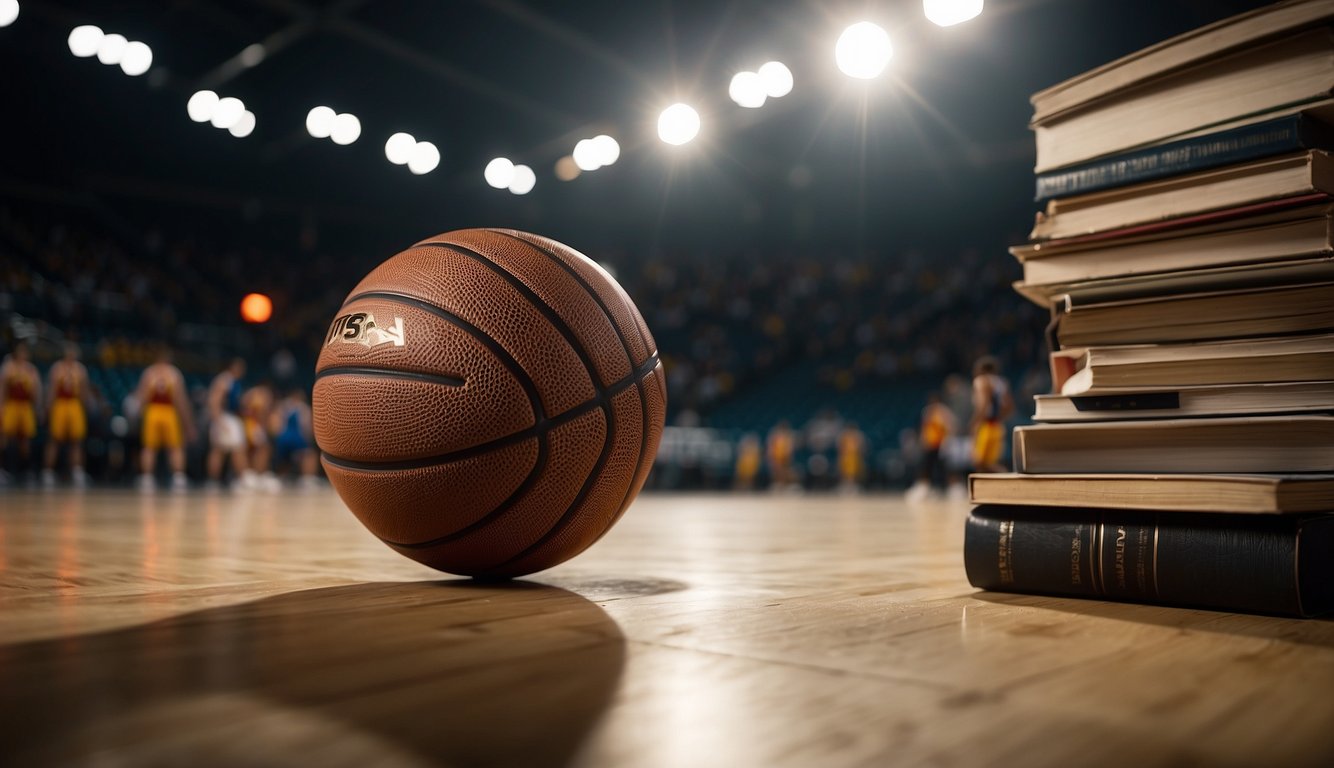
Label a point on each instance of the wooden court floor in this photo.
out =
(703, 631)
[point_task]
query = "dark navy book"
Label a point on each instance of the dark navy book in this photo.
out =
(1290, 133)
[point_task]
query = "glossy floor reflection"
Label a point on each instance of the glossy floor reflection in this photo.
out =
(703, 630)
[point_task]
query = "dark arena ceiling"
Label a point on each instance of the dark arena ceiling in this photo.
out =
(935, 153)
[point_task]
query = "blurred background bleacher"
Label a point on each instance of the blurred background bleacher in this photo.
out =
(749, 338)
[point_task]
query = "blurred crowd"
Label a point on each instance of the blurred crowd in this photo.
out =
(840, 351)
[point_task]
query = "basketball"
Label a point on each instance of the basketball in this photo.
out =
(488, 402)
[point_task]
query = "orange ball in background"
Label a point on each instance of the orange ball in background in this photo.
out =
(256, 308)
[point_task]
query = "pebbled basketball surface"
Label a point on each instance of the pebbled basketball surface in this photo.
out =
(488, 402)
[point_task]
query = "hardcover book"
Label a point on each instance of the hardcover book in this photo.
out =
(1213, 493)
(1241, 444)
(1307, 129)
(1260, 563)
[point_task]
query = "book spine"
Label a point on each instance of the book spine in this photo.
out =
(1252, 142)
(1225, 562)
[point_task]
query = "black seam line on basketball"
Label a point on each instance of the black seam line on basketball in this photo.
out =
(564, 521)
(528, 482)
(505, 358)
(578, 278)
(539, 429)
(549, 312)
(522, 237)
(635, 379)
(643, 399)
(525, 238)
(390, 373)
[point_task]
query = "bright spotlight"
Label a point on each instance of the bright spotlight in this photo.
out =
(228, 112)
(586, 155)
(863, 50)
(524, 180)
(608, 151)
(678, 124)
(9, 11)
(399, 148)
(776, 78)
(947, 13)
(111, 48)
(346, 129)
(83, 41)
(747, 90)
(202, 105)
(425, 157)
(499, 173)
(319, 122)
(253, 54)
(245, 126)
(137, 59)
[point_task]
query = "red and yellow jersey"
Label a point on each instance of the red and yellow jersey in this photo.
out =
(20, 382)
(162, 391)
(67, 381)
(935, 427)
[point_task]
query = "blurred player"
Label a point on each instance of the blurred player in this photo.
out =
(67, 391)
(748, 460)
(851, 457)
(781, 450)
(166, 420)
(937, 425)
(256, 408)
(293, 441)
(20, 390)
(226, 429)
(992, 405)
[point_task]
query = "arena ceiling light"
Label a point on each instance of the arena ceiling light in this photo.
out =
(399, 148)
(499, 173)
(524, 180)
(319, 122)
(747, 90)
(341, 128)
(424, 159)
(227, 112)
(346, 129)
(678, 124)
(83, 40)
(597, 152)
(863, 50)
(111, 48)
(776, 78)
(137, 58)
(608, 149)
(133, 57)
(201, 106)
(947, 13)
(245, 126)
(9, 12)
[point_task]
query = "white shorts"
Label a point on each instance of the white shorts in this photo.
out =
(227, 432)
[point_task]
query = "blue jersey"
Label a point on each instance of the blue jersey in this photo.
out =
(233, 402)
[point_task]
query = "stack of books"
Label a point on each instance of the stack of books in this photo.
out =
(1186, 251)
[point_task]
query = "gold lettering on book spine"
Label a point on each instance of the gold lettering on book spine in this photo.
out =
(1120, 561)
(1005, 552)
(1076, 555)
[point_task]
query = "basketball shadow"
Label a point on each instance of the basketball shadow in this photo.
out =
(396, 674)
(1317, 632)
